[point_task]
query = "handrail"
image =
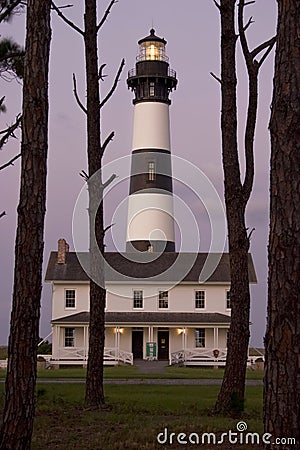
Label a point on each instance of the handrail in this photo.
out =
(171, 73)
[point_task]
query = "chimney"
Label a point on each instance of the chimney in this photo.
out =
(63, 248)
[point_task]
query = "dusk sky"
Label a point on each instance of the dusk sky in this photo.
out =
(192, 31)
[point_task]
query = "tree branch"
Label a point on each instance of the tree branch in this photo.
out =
(253, 67)
(250, 234)
(9, 131)
(217, 5)
(107, 228)
(12, 55)
(242, 29)
(76, 95)
(109, 181)
(265, 45)
(10, 162)
(106, 142)
(250, 21)
(114, 84)
(263, 58)
(106, 14)
(215, 77)
(252, 107)
(65, 19)
(9, 9)
(100, 75)
(84, 175)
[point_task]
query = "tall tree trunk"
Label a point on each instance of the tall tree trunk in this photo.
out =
(94, 395)
(231, 396)
(282, 386)
(19, 406)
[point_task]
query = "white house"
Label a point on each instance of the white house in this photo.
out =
(150, 314)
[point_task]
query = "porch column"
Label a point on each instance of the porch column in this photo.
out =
(183, 338)
(117, 341)
(58, 329)
(116, 338)
(85, 341)
(216, 337)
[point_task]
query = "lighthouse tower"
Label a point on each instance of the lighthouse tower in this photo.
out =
(150, 207)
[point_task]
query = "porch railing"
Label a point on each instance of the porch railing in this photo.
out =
(199, 357)
(115, 354)
(79, 355)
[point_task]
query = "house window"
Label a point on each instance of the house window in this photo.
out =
(163, 300)
(151, 170)
(70, 298)
(228, 302)
(199, 299)
(138, 299)
(151, 89)
(200, 337)
(69, 337)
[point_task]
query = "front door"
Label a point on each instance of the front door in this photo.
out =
(163, 344)
(137, 344)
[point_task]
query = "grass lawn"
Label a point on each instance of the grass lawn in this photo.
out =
(134, 416)
(131, 372)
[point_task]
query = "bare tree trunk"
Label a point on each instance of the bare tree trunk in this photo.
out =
(237, 194)
(94, 394)
(282, 386)
(231, 396)
(19, 406)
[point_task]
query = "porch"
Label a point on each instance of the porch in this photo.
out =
(185, 342)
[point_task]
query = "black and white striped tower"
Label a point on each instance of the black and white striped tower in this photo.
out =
(150, 207)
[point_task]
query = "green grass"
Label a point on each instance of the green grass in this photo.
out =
(133, 417)
(129, 372)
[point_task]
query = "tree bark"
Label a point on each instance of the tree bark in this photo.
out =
(19, 406)
(231, 396)
(281, 383)
(94, 394)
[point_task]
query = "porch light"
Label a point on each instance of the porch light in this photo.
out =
(118, 330)
(181, 330)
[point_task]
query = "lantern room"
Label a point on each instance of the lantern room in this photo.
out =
(152, 48)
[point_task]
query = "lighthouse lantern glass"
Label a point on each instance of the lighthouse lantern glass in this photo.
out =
(152, 50)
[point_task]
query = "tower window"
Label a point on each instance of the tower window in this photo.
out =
(163, 300)
(138, 299)
(151, 89)
(70, 298)
(151, 170)
(199, 299)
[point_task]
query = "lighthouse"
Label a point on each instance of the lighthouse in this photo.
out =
(150, 225)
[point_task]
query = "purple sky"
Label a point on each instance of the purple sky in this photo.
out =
(192, 31)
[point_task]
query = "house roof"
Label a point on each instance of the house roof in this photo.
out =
(142, 317)
(165, 267)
